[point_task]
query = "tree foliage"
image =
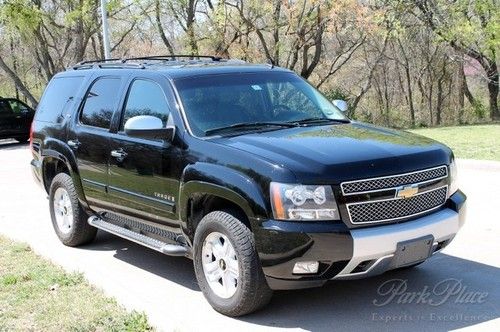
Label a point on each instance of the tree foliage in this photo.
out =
(402, 63)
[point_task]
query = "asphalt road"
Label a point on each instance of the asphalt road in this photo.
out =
(456, 289)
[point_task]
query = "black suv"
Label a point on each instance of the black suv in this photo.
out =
(246, 169)
(15, 119)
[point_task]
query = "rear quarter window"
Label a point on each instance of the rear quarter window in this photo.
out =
(58, 95)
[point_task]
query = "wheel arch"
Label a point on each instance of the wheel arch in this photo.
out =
(208, 187)
(57, 158)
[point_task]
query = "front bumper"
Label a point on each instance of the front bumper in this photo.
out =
(345, 253)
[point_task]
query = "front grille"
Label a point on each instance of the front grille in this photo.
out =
(396, 208)
(388, 182)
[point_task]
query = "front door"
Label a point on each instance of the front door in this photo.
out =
(142, 178)
(90, 138)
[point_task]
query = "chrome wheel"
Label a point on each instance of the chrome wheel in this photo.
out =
(220, 265)
(63, 210)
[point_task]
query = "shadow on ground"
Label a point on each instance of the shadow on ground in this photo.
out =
(176, 269)
(462, 293)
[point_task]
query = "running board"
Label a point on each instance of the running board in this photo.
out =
(165, 248)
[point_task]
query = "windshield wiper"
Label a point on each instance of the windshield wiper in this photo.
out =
(249, 125)
(319, 120)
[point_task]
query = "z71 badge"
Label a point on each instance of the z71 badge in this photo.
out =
(165, 197)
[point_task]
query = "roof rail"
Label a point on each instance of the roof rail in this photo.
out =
(109, 65)
(128, 62)
(97, 61)
(174, 57)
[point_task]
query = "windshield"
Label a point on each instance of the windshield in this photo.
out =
(218, 101)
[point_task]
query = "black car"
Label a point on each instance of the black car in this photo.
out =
(246, 169)
(15, 119)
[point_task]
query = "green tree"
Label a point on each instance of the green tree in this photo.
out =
(471, 28)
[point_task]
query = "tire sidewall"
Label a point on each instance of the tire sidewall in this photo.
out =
(60, 181)
(204, 229)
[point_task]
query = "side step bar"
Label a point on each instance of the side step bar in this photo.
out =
(165, 248)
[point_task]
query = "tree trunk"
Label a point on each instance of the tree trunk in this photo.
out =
(191, 12)
(19, 84)
(160, 28)
(406, 66)
(440, 94)
(493, 81)
(462, 83)
(439, 102)
(410, 96)
(429, 101)
(14, 65)
(276, 31)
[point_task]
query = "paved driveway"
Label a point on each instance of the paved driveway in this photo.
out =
(465, 277)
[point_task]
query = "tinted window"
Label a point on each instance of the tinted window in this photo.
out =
(285, 96)
(100, 102)
(18, 107)
(4, 107)
(146, 98)
(58, 95)
(216, 101)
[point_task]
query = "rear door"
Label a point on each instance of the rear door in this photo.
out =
(144, 182)
(89, 138)
(6, 119)
(23, 115)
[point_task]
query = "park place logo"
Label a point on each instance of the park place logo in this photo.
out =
(395, 291)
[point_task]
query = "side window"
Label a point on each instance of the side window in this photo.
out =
(100, 102)
(145, 98)
(60, 91)
(5, 108)
(18, 107)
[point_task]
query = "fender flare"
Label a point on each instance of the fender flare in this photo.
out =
(223, 182)
(56, 149)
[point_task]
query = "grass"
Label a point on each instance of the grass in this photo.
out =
(36, 295)
(468, 142)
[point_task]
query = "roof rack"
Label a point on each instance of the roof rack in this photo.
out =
(97, 61)
(129, 62)
(102, 64)
(174, 57)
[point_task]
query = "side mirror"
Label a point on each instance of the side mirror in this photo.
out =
(147, 126)
(341, 105)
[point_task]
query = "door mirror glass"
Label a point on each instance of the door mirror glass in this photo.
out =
(340, 104)
(148, 126)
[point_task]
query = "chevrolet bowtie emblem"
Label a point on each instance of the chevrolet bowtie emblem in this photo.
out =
(406, 192)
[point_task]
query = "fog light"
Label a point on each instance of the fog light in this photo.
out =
(306, 267)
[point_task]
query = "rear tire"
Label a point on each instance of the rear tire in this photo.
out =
(243, 288)
(68, 218)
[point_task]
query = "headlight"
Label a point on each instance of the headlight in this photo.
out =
(453, 177)
(299, 202)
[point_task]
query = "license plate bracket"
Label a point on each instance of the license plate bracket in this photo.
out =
(413, 251)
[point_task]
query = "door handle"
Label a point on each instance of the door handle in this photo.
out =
(74, 144)
(119, 154)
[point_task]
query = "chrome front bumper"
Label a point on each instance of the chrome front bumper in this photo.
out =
(374, 248)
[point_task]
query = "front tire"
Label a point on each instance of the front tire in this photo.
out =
(68, 218)
(227, 266)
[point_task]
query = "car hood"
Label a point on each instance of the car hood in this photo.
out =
(341, 152)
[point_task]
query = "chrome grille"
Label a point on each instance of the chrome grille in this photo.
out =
(388, 182)
(396, 208)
